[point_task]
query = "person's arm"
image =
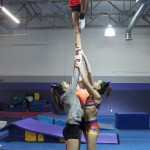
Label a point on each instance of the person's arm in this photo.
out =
(75, 79)
(88, 68)
(76, 73)
(89, 88)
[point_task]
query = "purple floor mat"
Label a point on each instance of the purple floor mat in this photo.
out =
(56, 131)
(39, 127)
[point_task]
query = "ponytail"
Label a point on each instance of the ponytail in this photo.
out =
(57, 93)
(105, 87)
(108, 91)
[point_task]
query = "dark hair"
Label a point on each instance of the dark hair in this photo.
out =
(57, 93)
(59, 90)
(105, 87)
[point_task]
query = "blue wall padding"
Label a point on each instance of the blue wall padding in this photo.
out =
(53, 119)
(41, 105)
(22, 85)
(38, 103)
(132, 120)
(47, 86)
(16, 108)
(35, 106)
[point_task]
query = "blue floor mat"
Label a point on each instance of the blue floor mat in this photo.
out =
(3, 134)
(124, 145)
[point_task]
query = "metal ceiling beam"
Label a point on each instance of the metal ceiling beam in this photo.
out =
(60, 15)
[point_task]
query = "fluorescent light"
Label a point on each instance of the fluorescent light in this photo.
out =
(110, 31)
(10, 14)
(12, 34)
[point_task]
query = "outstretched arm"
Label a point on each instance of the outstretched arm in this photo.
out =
(76, 73)
(88, 68)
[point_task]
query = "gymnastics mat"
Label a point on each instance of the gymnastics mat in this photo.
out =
(56, 131)
(61, 120)
(3, 134)
(3, 124)
(134, 120)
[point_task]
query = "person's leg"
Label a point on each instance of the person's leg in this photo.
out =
(75, 18)
(71, 136)
(72, 144)
(92, 132)
(91, 142)
(80, 136)
(82, 130)
(84, 5)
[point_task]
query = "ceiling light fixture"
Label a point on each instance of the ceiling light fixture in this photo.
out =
(109, 32)
(7, 12)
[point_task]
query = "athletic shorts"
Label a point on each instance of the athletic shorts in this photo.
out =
(92, 127)
(82, 125)
(71, 131)
(76, 8)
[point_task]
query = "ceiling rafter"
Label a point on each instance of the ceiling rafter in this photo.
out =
(56, 13)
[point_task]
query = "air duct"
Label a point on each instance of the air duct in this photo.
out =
(134, 20)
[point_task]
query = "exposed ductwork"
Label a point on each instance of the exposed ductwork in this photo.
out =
(134, 20)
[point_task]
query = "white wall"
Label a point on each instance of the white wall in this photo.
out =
(49, 53)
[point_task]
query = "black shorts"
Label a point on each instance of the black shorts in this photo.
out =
(82, 125)
(76, 8)
(71, 131)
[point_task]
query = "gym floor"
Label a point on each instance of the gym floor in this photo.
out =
(129, 139)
